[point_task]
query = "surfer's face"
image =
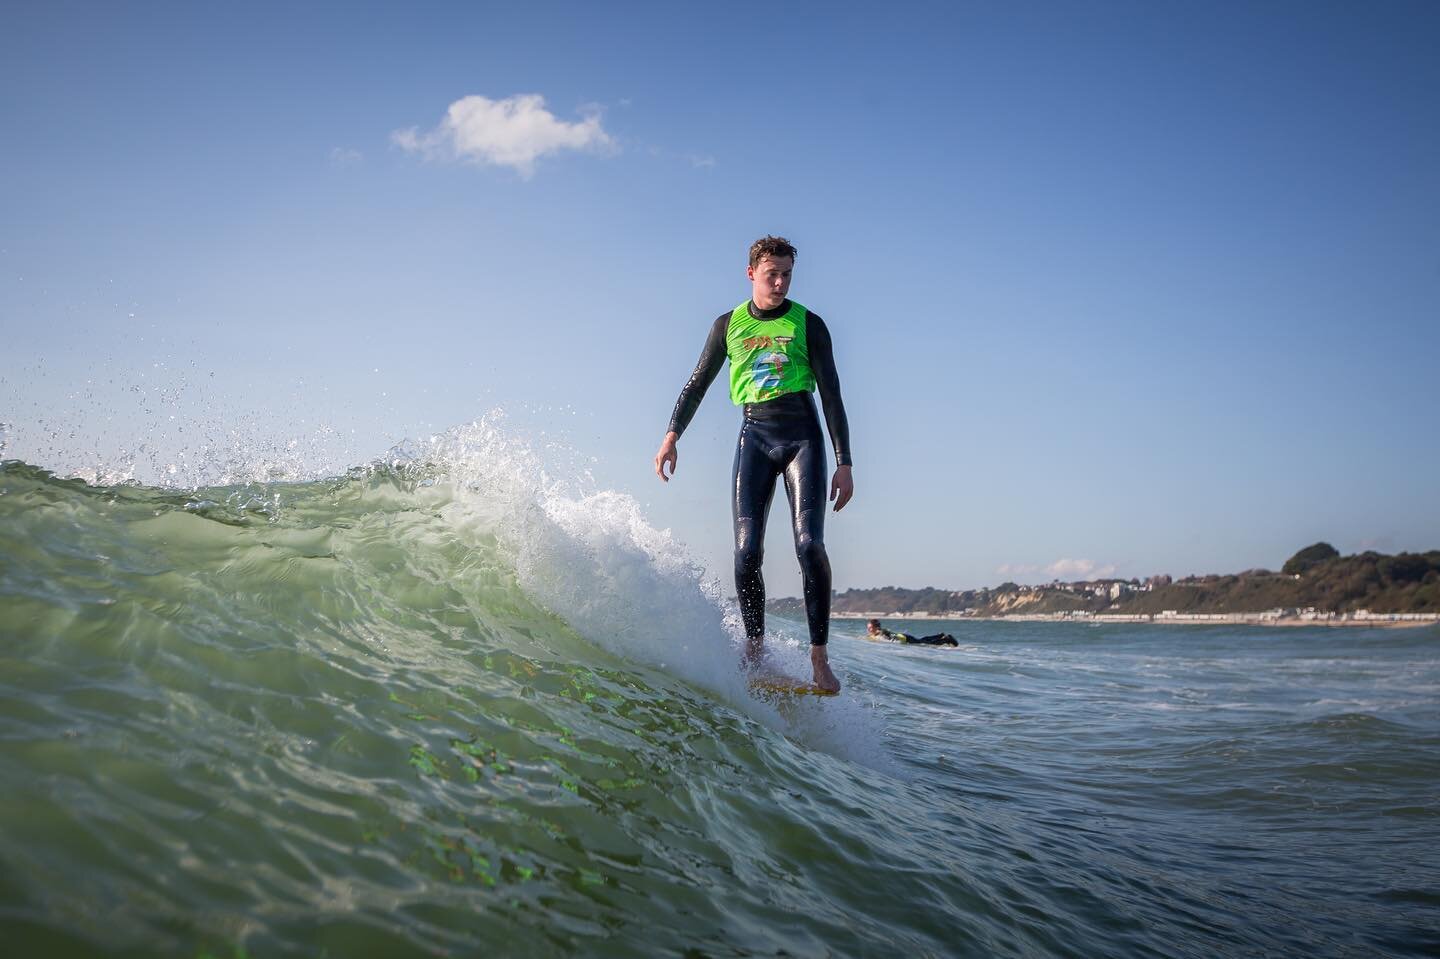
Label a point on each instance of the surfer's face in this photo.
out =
(770, 281)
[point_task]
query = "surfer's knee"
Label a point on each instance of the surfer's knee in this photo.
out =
(749, 554)
(811, 554)
(749, 546)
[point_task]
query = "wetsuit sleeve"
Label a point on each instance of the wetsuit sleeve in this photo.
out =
(712, 357)
(822, 363)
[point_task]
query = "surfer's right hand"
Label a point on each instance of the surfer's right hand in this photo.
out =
(667, 454)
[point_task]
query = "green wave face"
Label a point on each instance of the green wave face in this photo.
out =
(452, 705)
(288, 718)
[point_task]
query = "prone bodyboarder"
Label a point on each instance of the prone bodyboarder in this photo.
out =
(873, 630)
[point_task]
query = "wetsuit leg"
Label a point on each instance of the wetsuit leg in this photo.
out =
(753, 479)
(805, 488)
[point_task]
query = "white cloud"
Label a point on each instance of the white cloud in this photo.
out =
(700, 162)
(513, 132)
(1066, 570)
(344, 156)
(1075, 569)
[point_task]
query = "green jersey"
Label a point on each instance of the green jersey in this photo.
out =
(768, 358)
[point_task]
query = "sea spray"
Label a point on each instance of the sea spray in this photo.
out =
(170, 423)
(587, 555)
(591, 558)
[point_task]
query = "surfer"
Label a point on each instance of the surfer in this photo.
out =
(779, 353)
(874, 630)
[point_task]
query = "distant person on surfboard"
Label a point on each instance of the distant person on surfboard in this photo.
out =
(779, 353)
(873, 630)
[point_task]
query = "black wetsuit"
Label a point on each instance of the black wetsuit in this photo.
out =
(779, 437)
(935, 639)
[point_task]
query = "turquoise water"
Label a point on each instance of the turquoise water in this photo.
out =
(449, 706)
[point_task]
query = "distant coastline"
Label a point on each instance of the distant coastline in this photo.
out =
(1315, 587)
(1268, 618)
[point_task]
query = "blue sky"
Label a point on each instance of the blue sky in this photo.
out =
(1142, 287)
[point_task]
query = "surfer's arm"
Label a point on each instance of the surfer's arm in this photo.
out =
(712, 358)
(827, 381)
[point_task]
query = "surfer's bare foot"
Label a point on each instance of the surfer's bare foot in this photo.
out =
(754, 652)
(824, 676)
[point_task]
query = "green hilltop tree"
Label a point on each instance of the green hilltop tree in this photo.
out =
(1404, 568)
(1308, 557)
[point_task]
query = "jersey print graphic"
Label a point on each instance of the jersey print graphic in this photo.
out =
(769, 369)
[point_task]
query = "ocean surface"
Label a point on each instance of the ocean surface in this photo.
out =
(447, 705)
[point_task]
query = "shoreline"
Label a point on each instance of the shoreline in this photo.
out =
(1360, 619)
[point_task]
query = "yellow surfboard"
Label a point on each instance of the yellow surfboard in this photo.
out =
(777, 685)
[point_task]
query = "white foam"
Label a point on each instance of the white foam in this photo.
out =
(591, 558)
(587, 555)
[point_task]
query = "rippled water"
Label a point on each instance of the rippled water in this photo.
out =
(451, 710)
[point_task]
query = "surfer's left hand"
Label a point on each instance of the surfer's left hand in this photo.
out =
(842, 487)
(667, 454)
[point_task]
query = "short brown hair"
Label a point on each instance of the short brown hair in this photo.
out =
(774, 246)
